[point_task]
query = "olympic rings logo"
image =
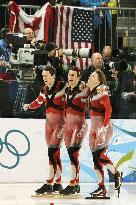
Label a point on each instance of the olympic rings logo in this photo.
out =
(12, 149)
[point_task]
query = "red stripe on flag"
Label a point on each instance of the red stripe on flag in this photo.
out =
(92, 46)
(61, 24)
(72, 45)
(13, 18)
(56, 24)
(47, 22)
(67, 27)
(80, 59)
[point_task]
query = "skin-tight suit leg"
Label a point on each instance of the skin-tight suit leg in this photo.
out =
(54, 133)
(74, 132)
(100, 159)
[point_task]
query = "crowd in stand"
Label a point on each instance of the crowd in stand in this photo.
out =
(120, 74)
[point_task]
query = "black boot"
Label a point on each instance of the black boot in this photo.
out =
(77, 188)
(68, 190)
(100, 192)
(57, 188)
(46, 188)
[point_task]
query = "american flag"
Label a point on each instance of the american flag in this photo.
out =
(74, 30)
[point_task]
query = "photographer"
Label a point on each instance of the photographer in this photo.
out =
(112, 74)
(30, 37)
(55, 59)
(107, 61)
(128, 93)
(110, 69)
(28, 76)
(97, 63)
(129, 81)
(30, 40)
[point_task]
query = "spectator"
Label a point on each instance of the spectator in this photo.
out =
(31, 40)
(128, 95)
(107, 53)
(112, 79)
(97, 63)
(102, 20)
(55, 58)
(107, 59)
(114, 41)
(105, 22)
(5, 52)
(30, 37)
(129, 81)
(109, 70)
(5, 104)
(114, 88)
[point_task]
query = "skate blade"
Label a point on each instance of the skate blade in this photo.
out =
(118, 189)
(43, 196)
(71, 196)
(57, 196)
(94, 197)
(121, 180)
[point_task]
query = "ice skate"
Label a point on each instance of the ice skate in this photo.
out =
(45, 189)
(57, 188)
(68, 190)
(71, 192)
(118, 181)
(99, 193)
(77, 188)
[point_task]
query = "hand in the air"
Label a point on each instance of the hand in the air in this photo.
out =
(10, 3)
(26, 107)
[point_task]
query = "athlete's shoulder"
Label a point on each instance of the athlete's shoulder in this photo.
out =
(102, 90)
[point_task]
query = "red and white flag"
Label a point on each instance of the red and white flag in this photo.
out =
(74, 30)
(40, 22)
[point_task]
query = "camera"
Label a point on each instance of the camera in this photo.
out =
(120, 58)
(40, 57)
(18, 40)
(24, 58)
(27, 57)
(117, 63)
(31, 56)
(82, 52)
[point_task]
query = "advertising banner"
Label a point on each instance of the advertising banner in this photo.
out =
(24, 157)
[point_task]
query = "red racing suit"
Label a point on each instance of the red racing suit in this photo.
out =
(100, 113)
(54, 100)
(75, 124)
(75, 128)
